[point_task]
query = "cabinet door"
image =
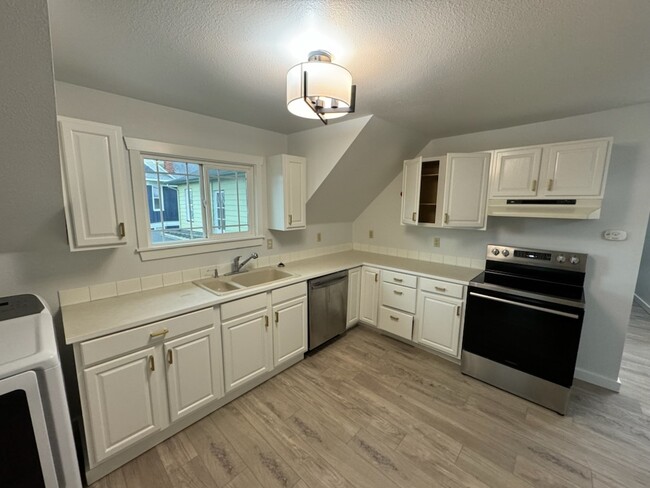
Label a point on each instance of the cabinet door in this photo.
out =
(247, 348)
(295, 191)
(411, 191)
(124, 401)
(574, 169)
(354, 296)
(289, 330)
(92, 164)
(194, 376)
(466, 180)
(437, 323)
(515, 173)
(369, 303)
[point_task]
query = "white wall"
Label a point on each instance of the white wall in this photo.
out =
(612, 266)
(643, 282)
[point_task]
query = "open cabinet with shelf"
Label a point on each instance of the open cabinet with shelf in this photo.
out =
(428, 201)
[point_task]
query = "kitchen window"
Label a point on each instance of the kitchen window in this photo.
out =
(193, 200)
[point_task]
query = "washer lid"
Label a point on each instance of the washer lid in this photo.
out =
(27, 339)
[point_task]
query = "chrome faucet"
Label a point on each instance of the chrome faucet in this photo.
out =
(237, 266)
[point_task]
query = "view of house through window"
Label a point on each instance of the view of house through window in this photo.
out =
(175, 196)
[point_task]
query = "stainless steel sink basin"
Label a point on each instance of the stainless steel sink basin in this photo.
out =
(259, 276)
(247, 279)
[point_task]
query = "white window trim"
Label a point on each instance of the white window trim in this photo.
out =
(137, 147)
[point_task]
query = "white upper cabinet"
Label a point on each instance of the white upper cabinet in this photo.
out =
(92, 166)
(575, 169)
(411, 191)
(465, 197)
(287, 192)
(568, 170)
(449, 191)
(516, 172)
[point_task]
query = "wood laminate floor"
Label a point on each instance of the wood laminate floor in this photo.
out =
(371, 412)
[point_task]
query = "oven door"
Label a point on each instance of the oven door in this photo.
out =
(533, 336)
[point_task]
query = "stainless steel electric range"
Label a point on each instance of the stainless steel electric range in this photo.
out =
(523, 322)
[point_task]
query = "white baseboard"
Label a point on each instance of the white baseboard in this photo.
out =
(598, 380)
(644, 305)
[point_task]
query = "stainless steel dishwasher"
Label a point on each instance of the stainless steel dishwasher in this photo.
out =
(328, 307)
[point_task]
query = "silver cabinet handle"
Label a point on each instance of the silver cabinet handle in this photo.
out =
(170, 357)
(121, 230)
(458, 311)
(440, 288)
(534, 186)
(550, 185)
(392, 317)
(290, 219)
(266, 321)
(399, 280)
(414, 217)
(446, 218)
(152, 364)
(398, 292)
(277, 317)
(161, 332)
(525, 305)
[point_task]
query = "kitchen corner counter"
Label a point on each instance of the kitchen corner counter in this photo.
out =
(94, 319)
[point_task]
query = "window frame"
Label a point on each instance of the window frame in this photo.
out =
(140, 149)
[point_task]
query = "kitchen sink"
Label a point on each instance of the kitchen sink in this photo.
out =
(259, 276)
(239, 281)
(217, 285)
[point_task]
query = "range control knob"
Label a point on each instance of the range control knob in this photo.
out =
(495, 251)
(505, 252)
(574, 260)
(560, 258)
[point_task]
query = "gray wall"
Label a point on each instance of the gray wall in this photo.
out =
(612, 266)
(643, 282)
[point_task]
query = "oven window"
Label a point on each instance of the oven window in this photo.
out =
(532, 336)
(20, 466)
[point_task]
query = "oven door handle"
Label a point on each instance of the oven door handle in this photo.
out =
(525, 305)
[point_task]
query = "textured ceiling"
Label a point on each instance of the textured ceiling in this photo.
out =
(443, 67)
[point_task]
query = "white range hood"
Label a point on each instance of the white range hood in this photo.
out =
(546, 209)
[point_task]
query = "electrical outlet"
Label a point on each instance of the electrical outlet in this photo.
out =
(269, 243)
(318, 237)
(436, 242)
(371, 234)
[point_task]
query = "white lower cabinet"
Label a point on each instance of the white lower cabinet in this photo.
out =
(123, 399)
(194, 373)
(137, 382)
(369, 301)
(354, 296)
(289, 330)
(437, 322)
(247, 342)
(251, 347)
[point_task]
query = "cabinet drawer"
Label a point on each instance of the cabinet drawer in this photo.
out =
(400, 279)
(289, 292)
(243, 306)
(395, 322)
(120, 343)
(441, 287)
(397, 296)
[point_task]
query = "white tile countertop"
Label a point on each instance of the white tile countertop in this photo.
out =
(93, 319)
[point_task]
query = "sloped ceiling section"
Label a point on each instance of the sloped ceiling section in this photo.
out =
(370, 163)
(323, 147)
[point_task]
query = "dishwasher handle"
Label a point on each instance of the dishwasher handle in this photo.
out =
(327, 281)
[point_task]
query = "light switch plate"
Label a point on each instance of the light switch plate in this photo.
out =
(614, 235)
(269, 243)
(436, 242)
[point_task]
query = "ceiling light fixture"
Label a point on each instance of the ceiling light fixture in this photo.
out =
(320, 89)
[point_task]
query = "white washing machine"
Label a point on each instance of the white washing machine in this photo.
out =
(36, 444)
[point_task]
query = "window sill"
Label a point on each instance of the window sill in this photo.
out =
(172, 251)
